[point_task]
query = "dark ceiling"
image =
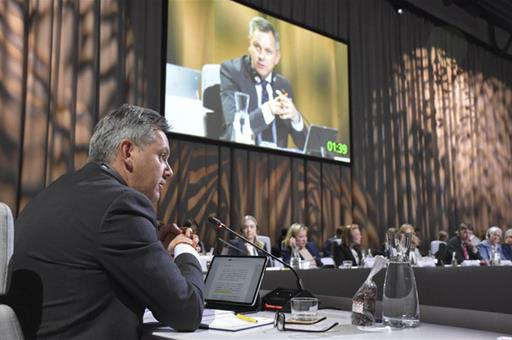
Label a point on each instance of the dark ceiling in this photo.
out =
(494, 12)
(487, 21)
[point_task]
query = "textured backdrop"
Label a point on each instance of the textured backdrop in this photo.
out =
(431, 119)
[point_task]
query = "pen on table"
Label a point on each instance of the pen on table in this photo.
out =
(245, 318)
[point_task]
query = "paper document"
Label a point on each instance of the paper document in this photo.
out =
(220, 320)
(229, 321)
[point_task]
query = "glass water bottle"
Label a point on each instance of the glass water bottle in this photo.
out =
(400, 306)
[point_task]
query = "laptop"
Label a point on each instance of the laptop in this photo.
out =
(316, 141)
(233, 282)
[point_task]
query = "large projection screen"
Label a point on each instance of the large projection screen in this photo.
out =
(208, 62)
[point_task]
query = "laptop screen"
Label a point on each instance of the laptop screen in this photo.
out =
(234, 280)
(319, 140)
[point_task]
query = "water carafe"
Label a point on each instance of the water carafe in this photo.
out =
(400, 307)
(242, 132)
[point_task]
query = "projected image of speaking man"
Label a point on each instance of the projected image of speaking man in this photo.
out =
(272, 112)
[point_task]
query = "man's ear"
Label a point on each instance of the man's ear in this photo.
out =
(126, 149)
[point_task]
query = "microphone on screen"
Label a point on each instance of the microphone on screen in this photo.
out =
(279, 298)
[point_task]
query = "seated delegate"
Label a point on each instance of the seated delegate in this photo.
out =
(332, 241)
(249, 229)
(297, 239)
(491, 245)
(350, 248)
(87, 256)
(461, 246)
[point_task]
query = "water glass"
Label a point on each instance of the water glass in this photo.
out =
(347, 264)
(304, 308)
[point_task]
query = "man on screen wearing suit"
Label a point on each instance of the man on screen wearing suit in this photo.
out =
(272, 113)
(87, 257)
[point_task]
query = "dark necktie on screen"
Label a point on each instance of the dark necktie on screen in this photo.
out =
(264, 99)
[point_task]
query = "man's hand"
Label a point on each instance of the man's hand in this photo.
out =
(181, 239)
(171, 235)
(167, 232)
(285, 108)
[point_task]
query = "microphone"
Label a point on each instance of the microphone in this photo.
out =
(279, 298)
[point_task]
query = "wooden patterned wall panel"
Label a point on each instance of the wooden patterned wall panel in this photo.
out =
(12, 113)
(298, 190)
(225, 173)
(63, 65)
(346, 196)
(198, 185)
(239, 186)
(331, 199)
(168, 205)
(280, 195)
(314, 200)
(258, 204)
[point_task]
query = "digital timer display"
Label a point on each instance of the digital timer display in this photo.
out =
(339, 148)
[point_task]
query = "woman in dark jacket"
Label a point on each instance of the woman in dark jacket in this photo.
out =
(350, 248)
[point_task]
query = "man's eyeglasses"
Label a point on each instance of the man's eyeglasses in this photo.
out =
(280, 324)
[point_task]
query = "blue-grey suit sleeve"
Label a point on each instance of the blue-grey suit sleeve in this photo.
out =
(131, 253)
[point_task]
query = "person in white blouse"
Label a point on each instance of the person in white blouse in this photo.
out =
(249, 230)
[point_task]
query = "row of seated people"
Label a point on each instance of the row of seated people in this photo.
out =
(296, 240)
(345, 245)
(296, 237)
(466, 246)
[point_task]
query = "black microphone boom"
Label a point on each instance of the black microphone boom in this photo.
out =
(279, 298)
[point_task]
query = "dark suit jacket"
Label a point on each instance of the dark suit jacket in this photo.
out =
(310, 246)
(455, 245)
(329, 245)
(237, 75)
(342, 253)
(87, 262)
(506, 252)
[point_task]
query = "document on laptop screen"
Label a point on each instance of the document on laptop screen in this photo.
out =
(234, 279)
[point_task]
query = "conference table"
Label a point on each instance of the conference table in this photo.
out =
(455, 303)
(469, 297)
(344, 330)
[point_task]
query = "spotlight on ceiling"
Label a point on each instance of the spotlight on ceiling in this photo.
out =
(398, 6)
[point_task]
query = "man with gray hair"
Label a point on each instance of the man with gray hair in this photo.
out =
(491, 246)
(272, 112)
(87, 257)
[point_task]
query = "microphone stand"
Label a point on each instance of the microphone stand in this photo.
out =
(279, 298)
